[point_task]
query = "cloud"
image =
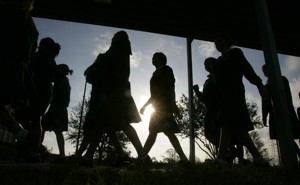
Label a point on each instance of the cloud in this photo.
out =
(295, 89)
(206, 49)
(102, 43)
(292, 64)
(168, 45)
(291, 69)
(175, 47)
(135, 59)
(254, 97)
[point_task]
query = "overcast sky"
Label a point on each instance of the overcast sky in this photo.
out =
(81, 43)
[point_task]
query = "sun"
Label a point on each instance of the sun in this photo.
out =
(148, 111)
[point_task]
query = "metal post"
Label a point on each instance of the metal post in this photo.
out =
(287, 151)
(191, 105)
(81, 115)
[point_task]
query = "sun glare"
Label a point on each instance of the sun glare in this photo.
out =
(148, 111)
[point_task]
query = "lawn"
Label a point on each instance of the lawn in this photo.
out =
(159, 174)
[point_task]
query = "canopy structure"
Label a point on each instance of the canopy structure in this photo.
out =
(267, 25)
(195, 19)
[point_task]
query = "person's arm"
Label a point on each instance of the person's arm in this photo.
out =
(250, 74)
(170, 82)
(198, 93)
(142, 110)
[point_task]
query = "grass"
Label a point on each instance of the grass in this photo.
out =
(198, 174)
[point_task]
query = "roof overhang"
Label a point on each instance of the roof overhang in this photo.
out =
(195, 19)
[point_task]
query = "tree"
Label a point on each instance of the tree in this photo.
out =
(199, 114)
(76, 119)
(171, 156)
(259, 145)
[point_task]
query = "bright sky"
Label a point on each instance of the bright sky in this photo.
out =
(81, 43)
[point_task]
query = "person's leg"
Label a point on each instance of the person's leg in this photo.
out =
(42, 136)
(115, 141)
(94, 143)
(150, 142)
(37, 132)
(89, 144)
(225, 142)
(175, 143)
(121, 158)
(297, 149)
(60, 143)
(84, 144)
(134, 139)
(35, 126)
(213, 138)
(240, 152)
(246, 140)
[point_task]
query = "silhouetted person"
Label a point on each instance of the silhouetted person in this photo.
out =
(233, 114)
(43, 69)
(268, 112)
(56, 118)
(116, 109)
(16, 52)
(208, 97)
(162, 98)
(211, 125)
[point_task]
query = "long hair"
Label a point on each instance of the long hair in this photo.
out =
(120, 42)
